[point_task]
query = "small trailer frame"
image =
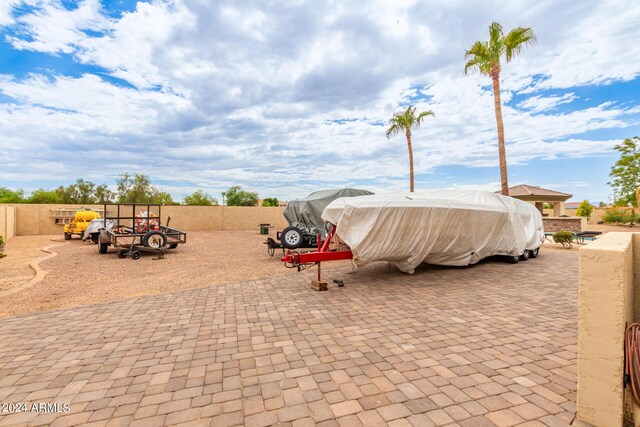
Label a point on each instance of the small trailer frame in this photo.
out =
(293, 259)
(135, 233)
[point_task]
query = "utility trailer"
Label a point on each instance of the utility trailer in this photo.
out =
(136, 233)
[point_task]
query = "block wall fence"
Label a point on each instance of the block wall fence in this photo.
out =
(7, 221)
(608, 298)
(29, 220)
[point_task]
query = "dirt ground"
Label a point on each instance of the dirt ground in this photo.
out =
(79, 275)
(14, 269)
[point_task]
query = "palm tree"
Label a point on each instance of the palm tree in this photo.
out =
(485, 56)
(405, 121)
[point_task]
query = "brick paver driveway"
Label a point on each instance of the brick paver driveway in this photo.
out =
(491, 344)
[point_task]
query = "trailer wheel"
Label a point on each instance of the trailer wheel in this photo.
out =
(135, 255)
(103, 247)
(155, 239)
(525, 255)
(291, 238)
(67, 236)
(534, 253)
(514, 259)
(122, 254)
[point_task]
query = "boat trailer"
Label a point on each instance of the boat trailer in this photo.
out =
(304, 260)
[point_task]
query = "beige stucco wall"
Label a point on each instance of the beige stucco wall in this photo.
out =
(37, 219)
(7, 222)
(605, 303)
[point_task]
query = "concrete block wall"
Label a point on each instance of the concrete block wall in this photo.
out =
(7, 222)
(609, 273)
(37, 219)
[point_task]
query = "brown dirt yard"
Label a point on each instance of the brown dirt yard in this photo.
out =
(79, 275)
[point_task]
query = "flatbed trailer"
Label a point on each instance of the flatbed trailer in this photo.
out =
(139, 233)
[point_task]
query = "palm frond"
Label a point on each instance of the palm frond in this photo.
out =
(495, 34)
(421, 116)
(479, 57)
(406, 120)
(394, 129)
(517, 39)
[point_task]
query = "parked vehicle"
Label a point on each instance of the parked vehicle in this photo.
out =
(305, 219)
(79, 223)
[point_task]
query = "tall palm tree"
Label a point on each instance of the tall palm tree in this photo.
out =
(405, 121)
(485, 56)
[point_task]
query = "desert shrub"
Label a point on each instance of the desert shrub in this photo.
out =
(618, 216)
(271, 202)
(585, 209)
(1, 240)
(563, 237)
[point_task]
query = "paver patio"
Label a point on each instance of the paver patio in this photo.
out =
(494, 344)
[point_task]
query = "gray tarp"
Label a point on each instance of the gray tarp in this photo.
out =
(308, 210)
(95, 226)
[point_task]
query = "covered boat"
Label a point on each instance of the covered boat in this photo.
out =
(454, 228)
(306, 213)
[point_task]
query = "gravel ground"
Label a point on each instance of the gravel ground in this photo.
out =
(79, 275)
(14, 268)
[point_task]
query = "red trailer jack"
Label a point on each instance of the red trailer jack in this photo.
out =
(301, 261)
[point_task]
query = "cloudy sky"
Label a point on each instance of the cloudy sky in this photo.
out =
(287, 97)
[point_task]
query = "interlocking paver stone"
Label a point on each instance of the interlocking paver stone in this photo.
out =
(490, 345)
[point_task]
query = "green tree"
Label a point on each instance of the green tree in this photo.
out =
(405, 121)
(162, 198)
(238, 197)
(85, 191)
(485, 56)
(103, 194)
(137, 188)
(42, 196)
(10, 196)
(625, 173)
(585, 209)
(271, 202)
(80, 192)
(200, 198)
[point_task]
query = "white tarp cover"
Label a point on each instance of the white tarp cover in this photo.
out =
(454, 228)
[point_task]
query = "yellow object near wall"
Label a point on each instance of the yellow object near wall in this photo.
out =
(38, 220)
(80, 222)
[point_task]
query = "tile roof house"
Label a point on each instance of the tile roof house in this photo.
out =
(539, 196)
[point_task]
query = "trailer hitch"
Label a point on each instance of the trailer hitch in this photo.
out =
(304, 260)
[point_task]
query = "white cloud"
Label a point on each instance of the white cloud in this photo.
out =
(537, 104)
(219, 93)
(52, 28)
(6, 11)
